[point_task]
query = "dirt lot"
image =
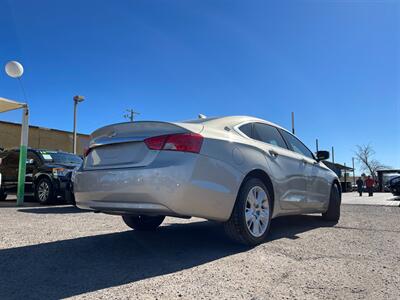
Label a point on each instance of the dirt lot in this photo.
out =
(59, 252)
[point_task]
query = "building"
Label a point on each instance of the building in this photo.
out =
(41, 138)
(342, 172)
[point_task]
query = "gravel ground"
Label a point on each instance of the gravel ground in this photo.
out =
(59, 252)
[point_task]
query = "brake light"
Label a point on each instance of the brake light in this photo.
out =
(184, 142)
(156, 143)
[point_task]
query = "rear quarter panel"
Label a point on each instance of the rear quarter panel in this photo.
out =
(241, 153)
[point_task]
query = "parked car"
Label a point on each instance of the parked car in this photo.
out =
(48, 173)
(394, 186)
(242, 171)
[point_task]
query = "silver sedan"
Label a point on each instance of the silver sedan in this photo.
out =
(242, 171)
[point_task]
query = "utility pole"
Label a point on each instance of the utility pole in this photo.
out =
(131, 114)
(316, 144)
(333, 155)
(345, 178)
(293, 131)
(354, 172)
(77, 99)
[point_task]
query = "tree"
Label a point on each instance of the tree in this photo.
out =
(364, 156)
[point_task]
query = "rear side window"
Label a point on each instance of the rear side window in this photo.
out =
(32, 155)
(268, 134)
(247, 129)
(295, 144)
(11, 160)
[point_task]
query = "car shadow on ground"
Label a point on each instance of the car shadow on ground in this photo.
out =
(290, 226)
(29, 201)
(72, 267)
(66, 209)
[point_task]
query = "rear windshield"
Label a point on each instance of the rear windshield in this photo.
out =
(60, 157)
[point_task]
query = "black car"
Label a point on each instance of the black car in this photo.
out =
(394, 186)
(48, 173)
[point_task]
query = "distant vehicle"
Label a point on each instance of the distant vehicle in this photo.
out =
(48, 173)
(242, 171)
(386, 180)
(394, 186)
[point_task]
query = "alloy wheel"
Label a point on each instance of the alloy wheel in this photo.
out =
(257, 211)
(43, 191)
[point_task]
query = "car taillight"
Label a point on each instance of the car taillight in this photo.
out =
(184, 142)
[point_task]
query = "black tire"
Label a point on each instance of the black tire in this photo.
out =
(333, 212)
(3, 195)
(44, 198)
(143, 223)
(236, 227)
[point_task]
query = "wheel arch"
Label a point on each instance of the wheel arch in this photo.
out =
(337, 183)
(40, 176)
(264, 177)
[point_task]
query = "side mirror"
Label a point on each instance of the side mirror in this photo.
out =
(322, 155)
(30, 161)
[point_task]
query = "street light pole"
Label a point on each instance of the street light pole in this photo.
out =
(15, 70)
(293, 131)
(23, 155)
(77, 99)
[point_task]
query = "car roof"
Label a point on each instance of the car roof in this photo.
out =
(230, 121)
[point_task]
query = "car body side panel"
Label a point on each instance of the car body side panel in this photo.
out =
(319, 186)
(245, 157)
(288, 172)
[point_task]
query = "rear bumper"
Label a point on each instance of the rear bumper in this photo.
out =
(194, 185)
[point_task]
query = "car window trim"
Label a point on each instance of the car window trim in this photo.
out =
(275, 129)
(237, 128)
(291, 149)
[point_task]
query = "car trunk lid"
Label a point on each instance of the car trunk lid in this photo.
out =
(122, 145)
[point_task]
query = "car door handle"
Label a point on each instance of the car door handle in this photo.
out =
(273, 153)
(304, 161)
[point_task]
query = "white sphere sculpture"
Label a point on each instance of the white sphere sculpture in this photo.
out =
(14, 69)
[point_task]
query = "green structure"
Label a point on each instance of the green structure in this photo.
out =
(7, 105)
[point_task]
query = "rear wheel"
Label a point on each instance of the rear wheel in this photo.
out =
(142, 222)
(333, 212)
(251, 216)
(44, 191)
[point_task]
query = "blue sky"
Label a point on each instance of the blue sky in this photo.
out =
(336, 64)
